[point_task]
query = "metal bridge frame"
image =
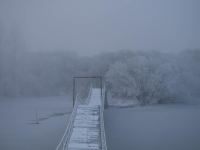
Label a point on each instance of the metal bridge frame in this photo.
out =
(86, 77)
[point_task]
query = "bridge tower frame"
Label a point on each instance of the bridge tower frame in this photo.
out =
(75, 78)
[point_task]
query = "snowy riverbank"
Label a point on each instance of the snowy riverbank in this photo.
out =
(33, 123)
(161, 127)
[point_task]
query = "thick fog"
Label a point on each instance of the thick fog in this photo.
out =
(131, 43)
(146, 51)
(93, 26)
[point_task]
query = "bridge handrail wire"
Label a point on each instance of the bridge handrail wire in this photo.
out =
(65, 138)
(103, 136)
(89, 94)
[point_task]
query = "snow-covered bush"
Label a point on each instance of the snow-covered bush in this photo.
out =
(120, 81)
(148, 77)
(142, 77)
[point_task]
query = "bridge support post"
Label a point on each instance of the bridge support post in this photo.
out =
(89, 77)
(74, 91)
(106, 100)
(101, 84)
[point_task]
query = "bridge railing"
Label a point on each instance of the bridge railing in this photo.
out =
(102, 128)
(89, 95)
(66, 137)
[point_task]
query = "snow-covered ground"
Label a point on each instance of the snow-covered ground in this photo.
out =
(18, 126)
(160, 127)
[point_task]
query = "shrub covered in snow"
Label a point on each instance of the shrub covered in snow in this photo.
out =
(142, 77)
(147, 77)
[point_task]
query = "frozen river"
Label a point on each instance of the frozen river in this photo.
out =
(163, 127)
(18, 126)
(166, 127)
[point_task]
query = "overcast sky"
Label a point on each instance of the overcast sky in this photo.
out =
(89, 26)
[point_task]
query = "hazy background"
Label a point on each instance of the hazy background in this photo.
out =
(93, 26)
(147, 51)
(44, 43)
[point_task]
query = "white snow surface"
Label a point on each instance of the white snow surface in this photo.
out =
(159, 127)
(162, 127)
(18, 117)
(86, 127)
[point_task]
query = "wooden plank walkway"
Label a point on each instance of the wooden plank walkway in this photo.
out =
(86, 129)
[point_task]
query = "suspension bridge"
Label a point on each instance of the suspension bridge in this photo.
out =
(85, 130)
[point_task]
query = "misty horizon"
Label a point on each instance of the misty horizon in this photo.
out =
(90, 26)
(99, 74)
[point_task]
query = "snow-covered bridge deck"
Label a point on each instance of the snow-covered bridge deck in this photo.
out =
(86, 127)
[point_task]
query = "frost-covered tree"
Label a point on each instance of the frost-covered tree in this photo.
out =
(141, 77)
(120, 82)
